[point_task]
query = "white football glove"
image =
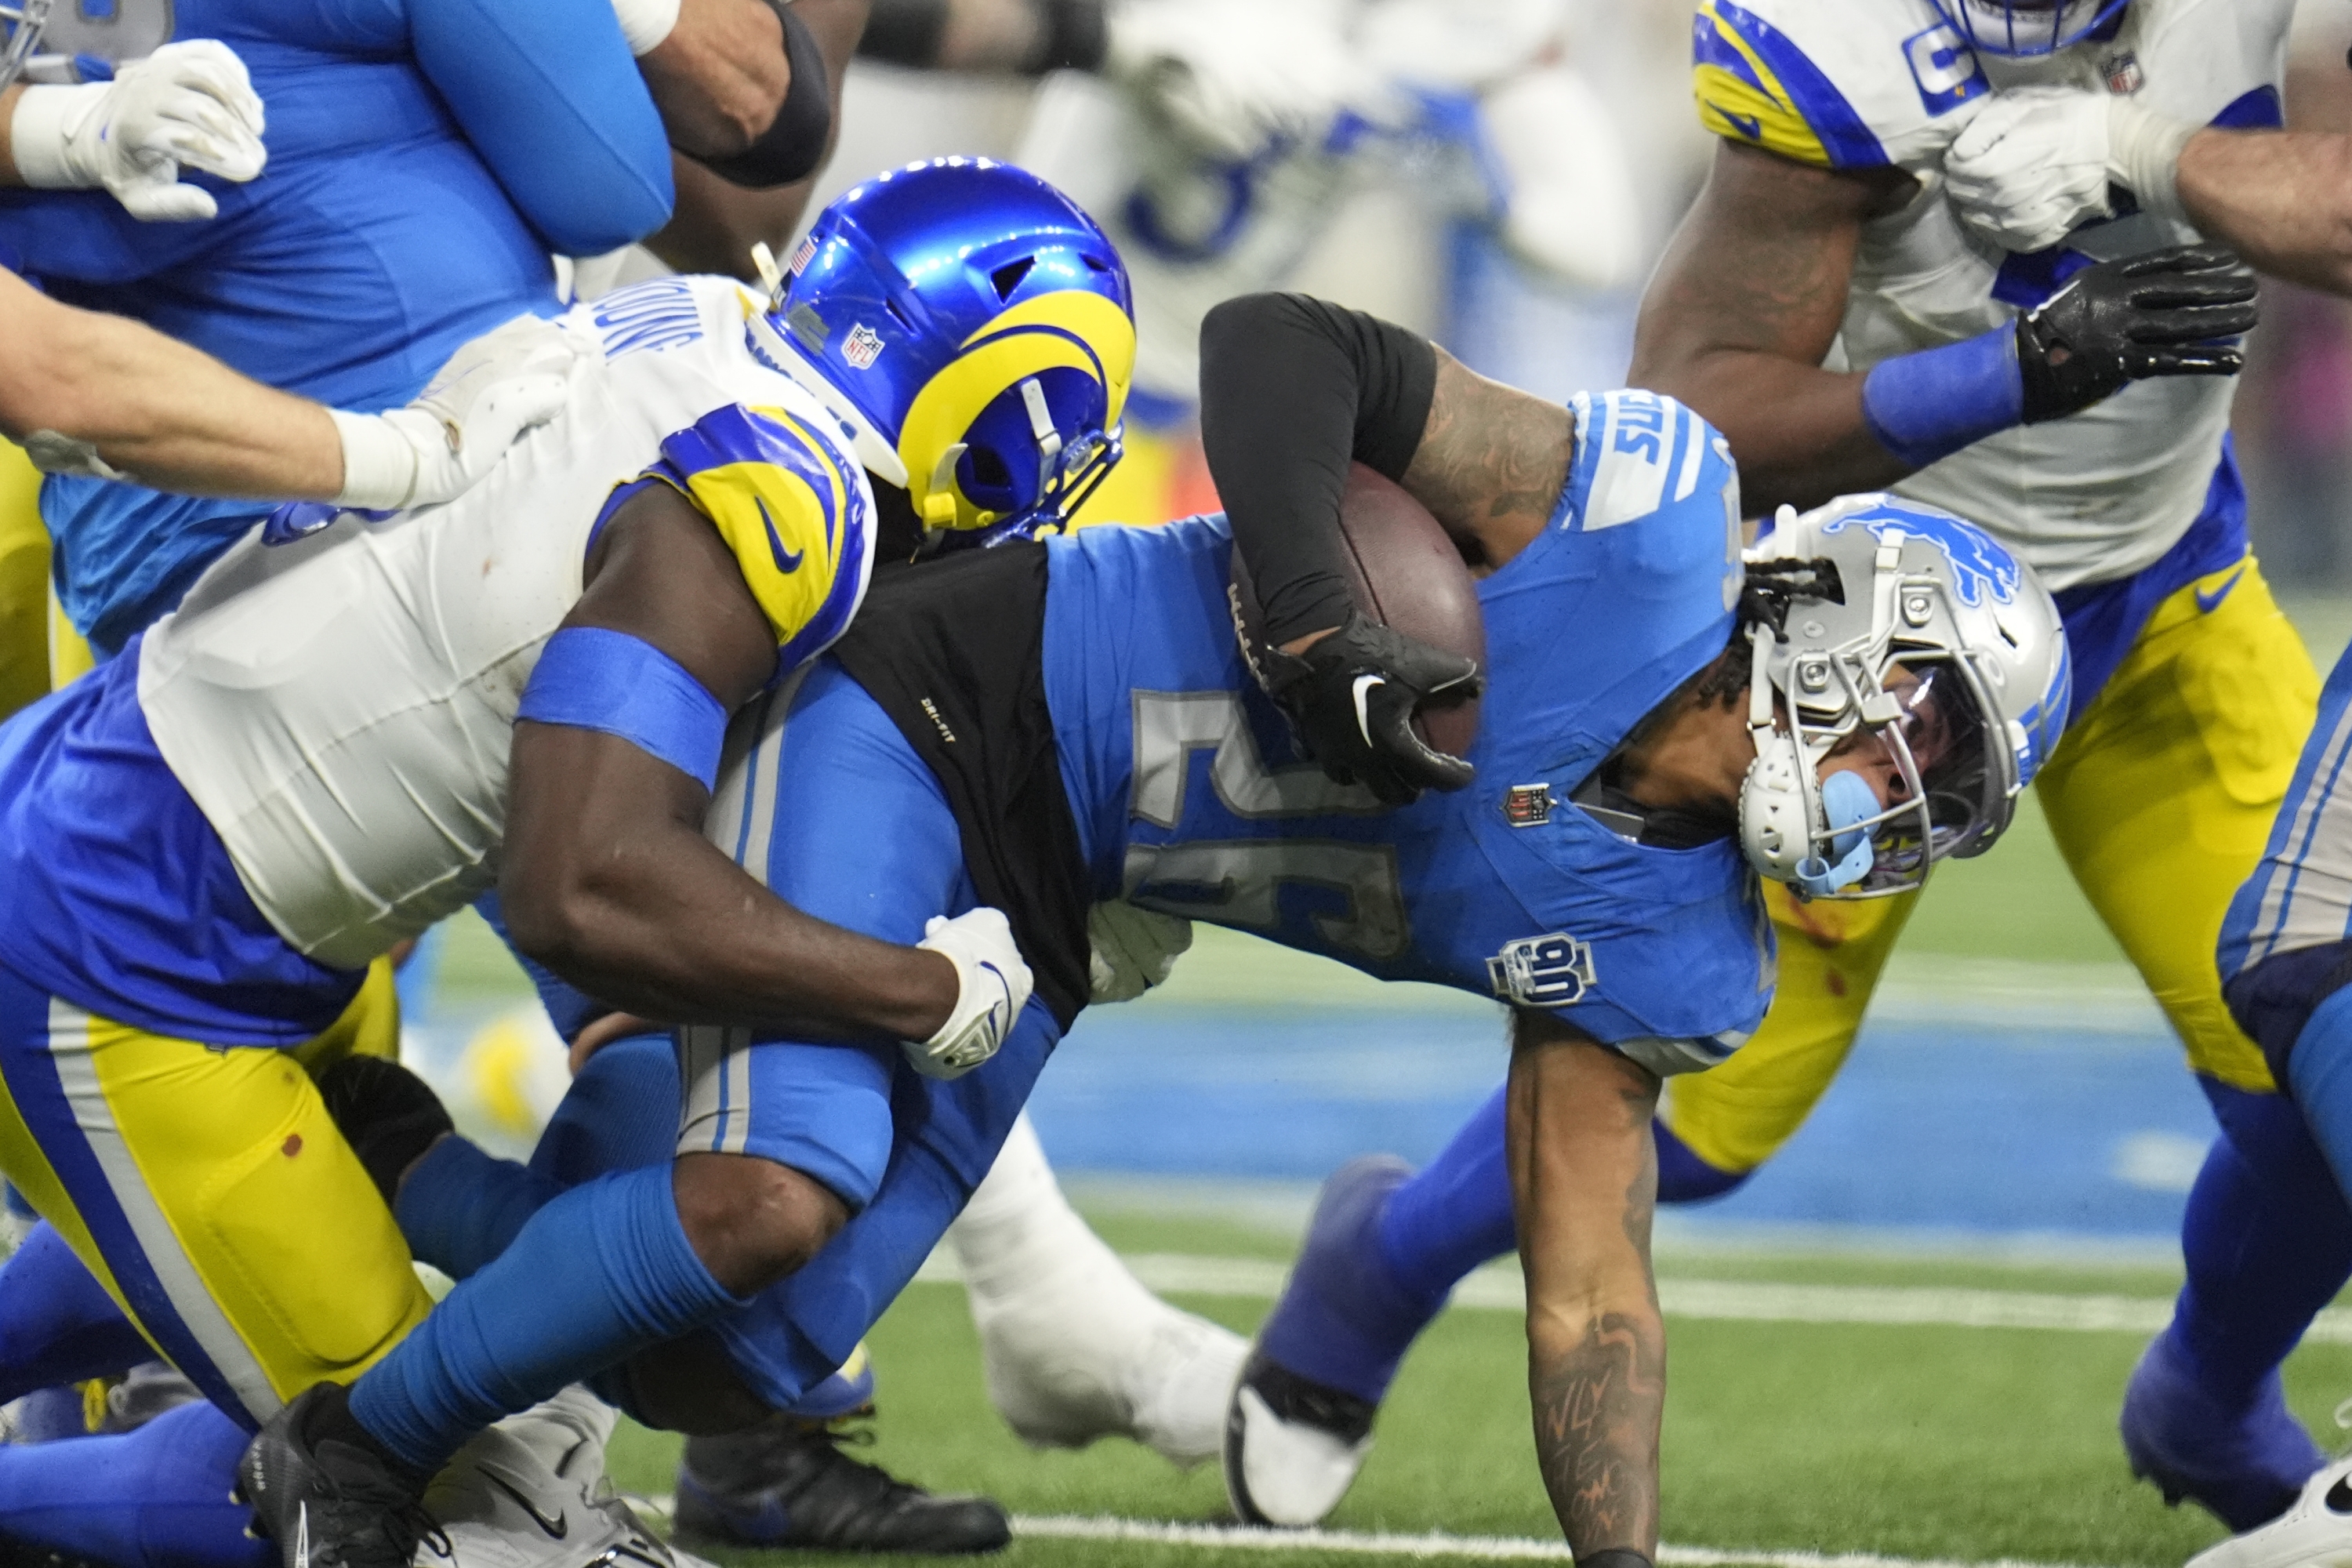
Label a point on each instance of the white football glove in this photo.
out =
(1231, 76)
(491, 391)
(1133, 950)
(992, 984)
(2034, 164)
(186, 104)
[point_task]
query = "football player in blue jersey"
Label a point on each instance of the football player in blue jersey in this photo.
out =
(960, 328)
(1048, 729)
(425, 157)
(1847, 328)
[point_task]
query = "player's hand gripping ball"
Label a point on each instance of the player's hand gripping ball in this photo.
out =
(1390, 700)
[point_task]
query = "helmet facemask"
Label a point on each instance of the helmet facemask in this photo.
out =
(21, 22)
(2028, 29)
(1888, 695)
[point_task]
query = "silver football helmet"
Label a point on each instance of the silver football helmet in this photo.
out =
(1893, 643)
(21, 22)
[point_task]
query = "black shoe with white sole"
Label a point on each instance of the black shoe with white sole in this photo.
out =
(1292, 1445)
(786, 1482)
(327, 1497)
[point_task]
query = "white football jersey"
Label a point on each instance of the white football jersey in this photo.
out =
(2099, 495)
(340, 708)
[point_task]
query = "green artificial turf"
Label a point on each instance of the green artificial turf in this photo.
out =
(1913, 1441)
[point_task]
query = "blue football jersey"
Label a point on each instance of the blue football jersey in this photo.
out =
(1193, 798)
(425, 156)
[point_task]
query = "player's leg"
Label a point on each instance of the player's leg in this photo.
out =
(155, 1498)
(58, 1325)
(1387, 1244)
(1073, 1346)
(210, 1197)
(1717, 1128)
(631, 1246)
(2160, 799)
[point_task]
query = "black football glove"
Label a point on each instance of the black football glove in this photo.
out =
(2162, 313)
(1353, 697)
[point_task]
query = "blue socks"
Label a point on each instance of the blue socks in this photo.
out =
(504, 1339)
(1386, 1247)
(156, 1498)
(1454, 1213)
(57, 1325)
(460, 1207)
(2267, 1239)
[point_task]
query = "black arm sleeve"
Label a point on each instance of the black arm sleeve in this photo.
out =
(794, 144)
(1071, 34)
(1292, 390)
(905, 32)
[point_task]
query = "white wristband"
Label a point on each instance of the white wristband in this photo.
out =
(645, 23)
(2144, 156)
(379, 462)
(45, 118)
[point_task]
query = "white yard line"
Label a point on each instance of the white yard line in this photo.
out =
(1475, 1548)
(1483, 1548)
(1498, 1290)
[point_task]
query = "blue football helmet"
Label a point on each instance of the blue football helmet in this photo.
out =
(973, 333)
(20, 33)
(2017, 29)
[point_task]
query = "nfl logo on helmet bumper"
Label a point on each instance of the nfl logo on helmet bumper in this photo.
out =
(1542, 971)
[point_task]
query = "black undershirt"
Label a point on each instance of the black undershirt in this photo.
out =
(1292, 390)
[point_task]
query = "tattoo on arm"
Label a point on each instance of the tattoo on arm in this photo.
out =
(1598, 1409)
(1492, 462)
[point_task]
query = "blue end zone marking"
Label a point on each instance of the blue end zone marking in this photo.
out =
(1848, 141)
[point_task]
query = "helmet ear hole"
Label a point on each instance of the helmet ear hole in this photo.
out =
(1007, 278)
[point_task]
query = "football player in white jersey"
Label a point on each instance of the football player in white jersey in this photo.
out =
(1825, 303)
(309, 761)
(2031, 168)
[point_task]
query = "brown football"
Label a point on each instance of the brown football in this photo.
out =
(1405, 573)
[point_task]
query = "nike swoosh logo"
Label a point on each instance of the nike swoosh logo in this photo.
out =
(1364, 684)
(787, 561)
(556, 1529)
(2339, 1496)
(302, 1535)
(2210, 605)
(1747, 125)
(998, 1029)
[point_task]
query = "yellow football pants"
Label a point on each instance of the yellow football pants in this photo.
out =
(2161, 797)
(210, 1194)
(23, 585)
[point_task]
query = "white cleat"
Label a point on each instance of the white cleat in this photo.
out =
(2316, 1532)
(1073, 1346)
(1292, 1446)
(531, 1493)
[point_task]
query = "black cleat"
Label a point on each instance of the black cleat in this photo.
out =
(387, 1114)
(786, 1482)
(326, 1501)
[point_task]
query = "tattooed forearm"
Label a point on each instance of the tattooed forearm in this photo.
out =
(1492, 459)
(1596, 1408)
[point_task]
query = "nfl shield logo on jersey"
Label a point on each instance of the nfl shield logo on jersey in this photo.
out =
(1542, 971)
(863, 347)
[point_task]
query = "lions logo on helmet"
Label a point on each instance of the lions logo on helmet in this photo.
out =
(1893, 640)
(21, 22)
(973, 333)
(2016, 29)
